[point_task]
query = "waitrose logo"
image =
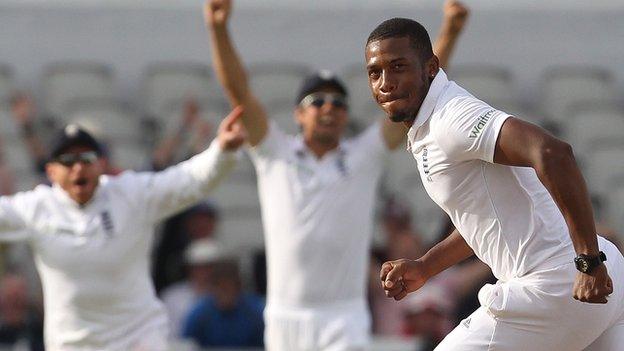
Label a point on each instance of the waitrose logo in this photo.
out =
(481, 121)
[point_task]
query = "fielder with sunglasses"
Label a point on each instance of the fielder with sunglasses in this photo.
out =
(317, 194)
(91, 236)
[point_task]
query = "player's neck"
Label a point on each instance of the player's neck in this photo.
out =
(320, 149)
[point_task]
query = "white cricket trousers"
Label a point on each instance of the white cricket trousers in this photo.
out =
(537, 312)
(343, 326)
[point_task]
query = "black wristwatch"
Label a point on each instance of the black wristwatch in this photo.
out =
(586, 264)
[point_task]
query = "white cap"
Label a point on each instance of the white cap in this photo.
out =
(204, 251)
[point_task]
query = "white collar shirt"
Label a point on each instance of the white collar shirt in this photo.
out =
(93, 260)
(504, 213)
(317, 216)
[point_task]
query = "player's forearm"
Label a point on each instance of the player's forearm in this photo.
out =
(211, 166)
(558, 171)
(448, 252)
(444, 46)
(228, 65)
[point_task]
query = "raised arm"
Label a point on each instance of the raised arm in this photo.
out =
(401, 277)
(230, 71)
(161, 194)
(526, 145)
(455, 15)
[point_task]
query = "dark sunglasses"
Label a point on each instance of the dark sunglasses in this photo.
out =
(68, 160)
(319, 99)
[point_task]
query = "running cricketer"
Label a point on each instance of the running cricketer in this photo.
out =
(517, 199)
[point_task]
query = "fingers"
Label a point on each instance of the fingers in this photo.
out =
(393, 276)
(385, 268)
(231, 119)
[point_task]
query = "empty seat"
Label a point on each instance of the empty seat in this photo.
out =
(107, 119)
(616, 206)
(66, 82)
(493, 85)
(166, 86)
(277, 83)
(592, 124)
(603, 164)
(563, 86)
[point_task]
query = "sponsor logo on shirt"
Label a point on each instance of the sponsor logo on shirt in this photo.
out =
(481, 122)
(425, 163)
(107, 223)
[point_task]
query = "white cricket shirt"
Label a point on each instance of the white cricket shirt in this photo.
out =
(504, 213)
(317, 216)
(94, 260)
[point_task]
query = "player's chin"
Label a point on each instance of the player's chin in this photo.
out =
(398, 115)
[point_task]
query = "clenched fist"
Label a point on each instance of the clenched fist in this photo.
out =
(217, 12)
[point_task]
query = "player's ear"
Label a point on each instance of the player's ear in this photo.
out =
(432, 66)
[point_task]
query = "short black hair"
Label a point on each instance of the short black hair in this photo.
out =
(404, 27)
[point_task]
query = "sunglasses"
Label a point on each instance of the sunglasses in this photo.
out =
(319, 99)
(68, 160)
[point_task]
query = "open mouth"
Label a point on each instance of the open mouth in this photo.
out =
(81, 182)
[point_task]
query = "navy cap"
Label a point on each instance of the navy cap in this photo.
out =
(73, 135)
(319, 80)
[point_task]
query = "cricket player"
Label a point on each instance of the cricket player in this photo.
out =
(517, 199)
(91, 236)
(317, 195)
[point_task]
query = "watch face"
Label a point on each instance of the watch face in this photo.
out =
(581, 264)
(584, 266)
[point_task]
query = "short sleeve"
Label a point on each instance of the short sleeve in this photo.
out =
(468, 129)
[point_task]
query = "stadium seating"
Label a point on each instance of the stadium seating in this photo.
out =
(603, 164)
(591, 123)
(166, 86)
(276, 84)
(565, 85)
(66, 82)
(491, 84)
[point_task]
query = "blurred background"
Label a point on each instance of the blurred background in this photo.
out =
(137, 74)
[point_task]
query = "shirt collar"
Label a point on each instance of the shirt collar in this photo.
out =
(426, 109)
(301, 149)
(64, 197)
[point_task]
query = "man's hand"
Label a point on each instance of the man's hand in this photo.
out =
(593, 287)
(217, 12)
(455, 15)
(400, 277)
(232, 133)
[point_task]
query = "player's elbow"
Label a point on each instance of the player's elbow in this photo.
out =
(554, 154)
